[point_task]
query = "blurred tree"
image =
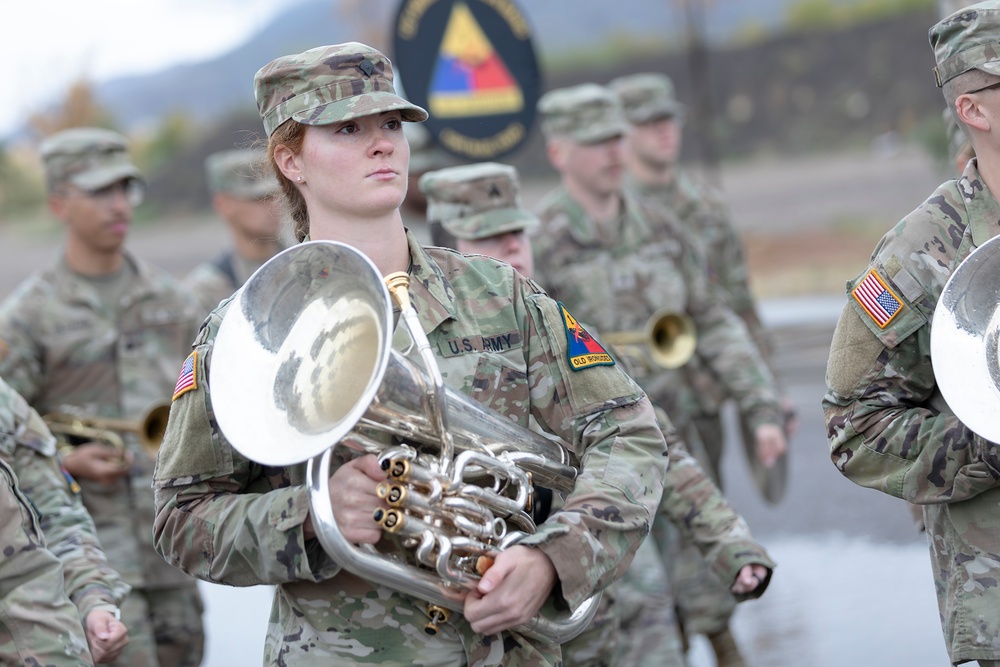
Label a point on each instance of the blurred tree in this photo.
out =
(79, 108)
(173, 135)
(21, 188)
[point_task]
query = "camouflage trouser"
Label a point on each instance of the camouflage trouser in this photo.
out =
(164, 628)
(704, 604)
(649, 632)
(635, 623)
(712, 437)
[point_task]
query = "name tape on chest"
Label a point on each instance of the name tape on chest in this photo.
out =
(485, 343)
(876, 299)
(582, 350)
(188, 378)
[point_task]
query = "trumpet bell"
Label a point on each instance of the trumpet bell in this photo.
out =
(965, 332)
(306, 375)
(672, 339)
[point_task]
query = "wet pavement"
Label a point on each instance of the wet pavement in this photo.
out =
(853, 585)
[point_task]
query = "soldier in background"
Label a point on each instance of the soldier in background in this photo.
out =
(425, 156)
(479, 206)
(38, 623)
(615, 260)
(651, 154)
(101, 333)
(890, 429)
(27, 446)
(243, 194)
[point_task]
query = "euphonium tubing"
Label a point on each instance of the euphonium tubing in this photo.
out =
(303, 361)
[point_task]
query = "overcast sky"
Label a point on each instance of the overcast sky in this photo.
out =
(45, 45)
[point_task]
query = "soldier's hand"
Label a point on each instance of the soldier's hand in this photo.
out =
(511, 591)
(352, 493)
(97, 462)
(790, 416)
(769, 444)
(748, 579)
(106, 635)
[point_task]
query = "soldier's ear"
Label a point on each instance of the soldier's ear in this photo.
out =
(969, 110)
(556, 152)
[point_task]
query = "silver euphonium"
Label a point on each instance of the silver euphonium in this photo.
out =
(965, 335)
(303, 362)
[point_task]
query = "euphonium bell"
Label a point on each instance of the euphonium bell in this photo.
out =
(73, 428)
(965, 341)
(304, 362)
(669, 337)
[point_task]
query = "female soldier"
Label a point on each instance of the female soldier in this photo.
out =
(336, 143)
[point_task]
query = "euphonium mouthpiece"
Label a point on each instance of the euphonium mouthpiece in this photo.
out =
(399, 287)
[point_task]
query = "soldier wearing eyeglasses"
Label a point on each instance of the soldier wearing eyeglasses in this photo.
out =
(101, 334)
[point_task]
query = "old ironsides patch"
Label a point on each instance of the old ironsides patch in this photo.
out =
(582, 350)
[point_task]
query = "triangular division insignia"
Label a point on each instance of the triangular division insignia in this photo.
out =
(876, 299)
(470, 78)
(582, 350)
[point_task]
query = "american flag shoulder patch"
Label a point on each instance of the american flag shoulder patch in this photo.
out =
(876, 299)
(188, 379)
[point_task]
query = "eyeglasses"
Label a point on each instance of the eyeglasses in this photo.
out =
(979, 90)
(132, 189)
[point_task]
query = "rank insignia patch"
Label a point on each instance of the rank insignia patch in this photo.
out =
(188, 379)
(877, 299)
(583, 351)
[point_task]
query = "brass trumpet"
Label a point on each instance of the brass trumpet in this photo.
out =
(67, 425)
(668, 336)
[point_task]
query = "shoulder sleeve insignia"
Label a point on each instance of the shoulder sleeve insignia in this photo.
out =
(581, 348)
(876, 299)
(188, 379)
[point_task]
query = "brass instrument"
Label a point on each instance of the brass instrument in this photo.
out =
(668, 336)
(965, 332)
(150, 427)
(303, 362)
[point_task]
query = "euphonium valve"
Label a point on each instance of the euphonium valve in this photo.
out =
(304, 362)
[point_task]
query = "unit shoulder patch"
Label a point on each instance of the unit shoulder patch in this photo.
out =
(581, 348)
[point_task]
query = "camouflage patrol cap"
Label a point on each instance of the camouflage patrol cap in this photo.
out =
(476, 201)
(88, 157)
(587, 113)
(966, 40)
(241, 173)
(647, 96)
(328, 84)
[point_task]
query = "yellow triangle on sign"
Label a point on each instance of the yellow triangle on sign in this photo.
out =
(470, 78)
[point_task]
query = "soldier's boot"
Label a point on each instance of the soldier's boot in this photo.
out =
(727, 653)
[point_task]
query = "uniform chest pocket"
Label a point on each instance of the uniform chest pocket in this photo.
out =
(501, 386)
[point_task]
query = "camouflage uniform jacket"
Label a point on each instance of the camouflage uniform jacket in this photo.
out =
(59, 347)
(617, 283)
(891, 430)
(215, 281)
(704, 216)
(38, 623)
(28, 447)
(693, 502)
(498, 339)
